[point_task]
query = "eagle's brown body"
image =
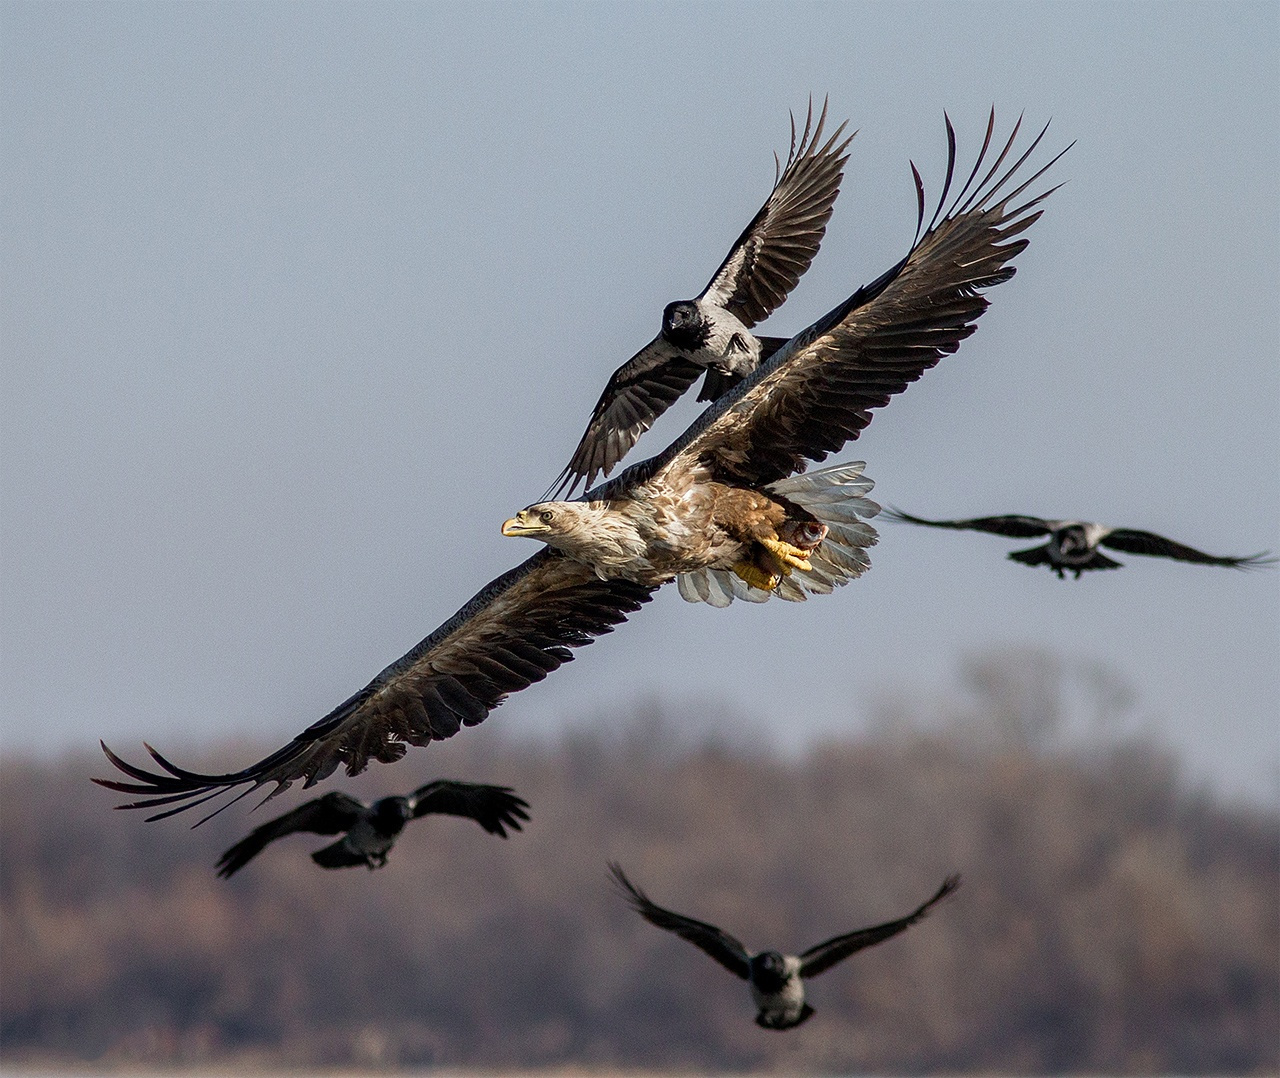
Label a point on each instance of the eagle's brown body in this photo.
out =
(679, 521)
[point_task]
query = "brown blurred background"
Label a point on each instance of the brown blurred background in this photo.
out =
(1114, 919)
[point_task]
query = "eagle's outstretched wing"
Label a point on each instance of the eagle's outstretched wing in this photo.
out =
(767, 261)
(817, 391)
(825, 955)
(1132, 541)
(494, 808)
(1017, 527)
(721, 946)
(325, 815)
(513, 633)
(763, 266)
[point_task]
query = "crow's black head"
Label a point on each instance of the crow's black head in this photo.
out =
(1073, 544)
(684, 326)
(390, 814)
(769, 971)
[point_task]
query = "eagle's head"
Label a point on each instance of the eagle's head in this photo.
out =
(589, 532)
(543, 520)
(557, 524)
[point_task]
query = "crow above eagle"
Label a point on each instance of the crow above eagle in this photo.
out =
(723, 505)
(712, 332)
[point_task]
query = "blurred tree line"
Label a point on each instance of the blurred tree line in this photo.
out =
(1113, 918)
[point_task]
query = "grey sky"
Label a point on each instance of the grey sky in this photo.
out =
(301, 301)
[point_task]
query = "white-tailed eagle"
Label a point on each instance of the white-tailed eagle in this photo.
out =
(723, 507)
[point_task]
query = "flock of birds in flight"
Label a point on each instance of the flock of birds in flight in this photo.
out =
(728, 511)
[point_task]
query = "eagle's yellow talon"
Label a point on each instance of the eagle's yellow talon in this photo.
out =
(787, 554)
(757, 577)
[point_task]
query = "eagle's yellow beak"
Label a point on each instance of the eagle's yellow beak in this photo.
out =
(524, 523)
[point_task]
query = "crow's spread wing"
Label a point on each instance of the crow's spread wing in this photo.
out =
(494, 808)
(340, 855)
(825, 955)
(638, 392)
(721, 946)
(762, 267)
(327, 815)
(816, 392)
(1019, 527)
(1132, 541)
(514, 632)
(773, 252)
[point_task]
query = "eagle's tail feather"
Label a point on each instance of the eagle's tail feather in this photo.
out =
(836, 496)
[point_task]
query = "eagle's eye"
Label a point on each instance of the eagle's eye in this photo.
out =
(545, 516)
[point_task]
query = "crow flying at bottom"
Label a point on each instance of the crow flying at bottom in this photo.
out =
(1073, 544)
(371, 830)
(777, 980)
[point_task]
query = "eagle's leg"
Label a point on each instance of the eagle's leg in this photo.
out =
(757, 577)
(771, 560)
(793, 556)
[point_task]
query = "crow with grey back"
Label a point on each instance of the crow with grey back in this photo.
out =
(369, 831)
(776, 980)
(711, 333)
(1073, 544)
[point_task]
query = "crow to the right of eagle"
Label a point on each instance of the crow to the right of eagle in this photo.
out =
(369, 831)
(777, 980)
(723, 507)
(712, 332)
(1073, 544)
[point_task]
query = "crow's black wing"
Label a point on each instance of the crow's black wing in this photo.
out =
(767, 261)
(825, 955)
(327, 815)
(721, 946)
(1132, 541)
(637, 393)
(493, 807)
(1019, 527)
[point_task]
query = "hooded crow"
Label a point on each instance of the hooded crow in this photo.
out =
(371, 830)
(711, 333)
(1073, 544)
(777, 980)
